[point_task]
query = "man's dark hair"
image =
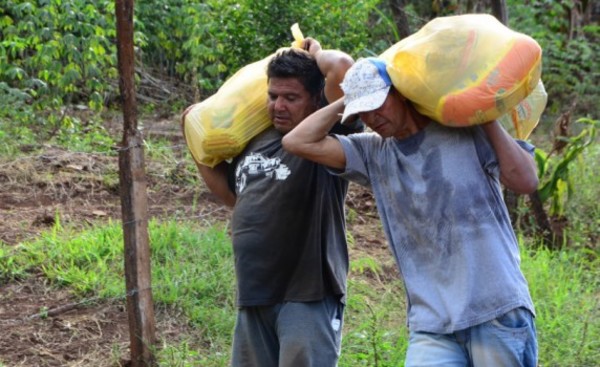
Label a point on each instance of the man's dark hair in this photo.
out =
(297, 63)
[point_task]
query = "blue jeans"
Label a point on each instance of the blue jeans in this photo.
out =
(289, 334)
(507, 341)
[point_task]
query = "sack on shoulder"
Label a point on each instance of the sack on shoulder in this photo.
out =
(470, 69)
(221, 126)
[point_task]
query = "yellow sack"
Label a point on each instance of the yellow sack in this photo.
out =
(219, 127)
(467, 69)
(524, 117)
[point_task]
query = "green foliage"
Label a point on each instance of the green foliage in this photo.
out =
(86, 136)
(193, 275)
(582, 208)
(58, 52)
(185, 355)
(556, 182)
(204, 43)
(374, 323)
(9, 267)
(571, 71)
(365, 264)
(564, 287)
(53, 53)
(83, 261)
(191, 270)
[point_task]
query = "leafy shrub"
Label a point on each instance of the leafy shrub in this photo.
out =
(570, 70)
(53, 54)
(58, 52)
(204, 43)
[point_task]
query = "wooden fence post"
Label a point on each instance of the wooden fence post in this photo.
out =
(134, 203)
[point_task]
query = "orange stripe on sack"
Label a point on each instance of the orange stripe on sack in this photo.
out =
(469, 106)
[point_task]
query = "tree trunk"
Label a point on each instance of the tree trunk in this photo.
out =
(400, 19)
(542, 221)
(423, 9)
(470, 6)
(500, 11)
(575, 13)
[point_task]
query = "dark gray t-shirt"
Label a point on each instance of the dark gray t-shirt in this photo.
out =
(288, 226)
(440, 202)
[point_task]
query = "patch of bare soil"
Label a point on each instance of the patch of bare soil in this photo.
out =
(42, 325)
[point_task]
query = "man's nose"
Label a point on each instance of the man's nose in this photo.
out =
(279, 104)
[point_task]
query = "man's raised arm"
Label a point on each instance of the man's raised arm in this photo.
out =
(518, 171)
(310, 139)
(333, 65)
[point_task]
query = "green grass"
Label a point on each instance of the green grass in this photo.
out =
(565, 289)
(582, 205)
(192, 272)
(375, 332)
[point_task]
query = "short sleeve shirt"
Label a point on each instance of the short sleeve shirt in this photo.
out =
(440, 202)
(288, 226)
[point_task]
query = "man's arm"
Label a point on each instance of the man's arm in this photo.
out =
(518, 171)
(310, 139)
(216, 181)
(333, 65)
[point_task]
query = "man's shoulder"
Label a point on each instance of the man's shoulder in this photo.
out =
(264, 138)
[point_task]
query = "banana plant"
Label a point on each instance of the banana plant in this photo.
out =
(556, 182)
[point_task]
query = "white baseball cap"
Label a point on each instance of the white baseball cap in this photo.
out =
(366, 86)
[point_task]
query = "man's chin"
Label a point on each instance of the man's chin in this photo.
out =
(283, 128)
(381, 131)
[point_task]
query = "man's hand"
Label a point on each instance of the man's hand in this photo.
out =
(310, 139)
(333, 65)
(311, 45)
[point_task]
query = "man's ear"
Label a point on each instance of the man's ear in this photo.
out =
(400, 98)
(397, 93)
(318, 99)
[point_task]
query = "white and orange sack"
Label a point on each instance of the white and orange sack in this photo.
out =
(221, 126)
(469, 69)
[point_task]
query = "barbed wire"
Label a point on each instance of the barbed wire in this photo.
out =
(45, 313)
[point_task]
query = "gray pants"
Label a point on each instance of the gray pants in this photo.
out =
(289, 334)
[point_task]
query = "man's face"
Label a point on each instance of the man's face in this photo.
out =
(289, 103)
(391, 119)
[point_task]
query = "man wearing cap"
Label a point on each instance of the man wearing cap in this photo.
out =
(438, 193)
(288, 224)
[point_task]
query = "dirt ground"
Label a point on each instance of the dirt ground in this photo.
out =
(41, 325)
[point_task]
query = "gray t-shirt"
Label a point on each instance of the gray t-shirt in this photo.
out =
(440, 201)
(288, 226)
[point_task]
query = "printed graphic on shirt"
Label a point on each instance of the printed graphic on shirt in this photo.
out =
(257, 164)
